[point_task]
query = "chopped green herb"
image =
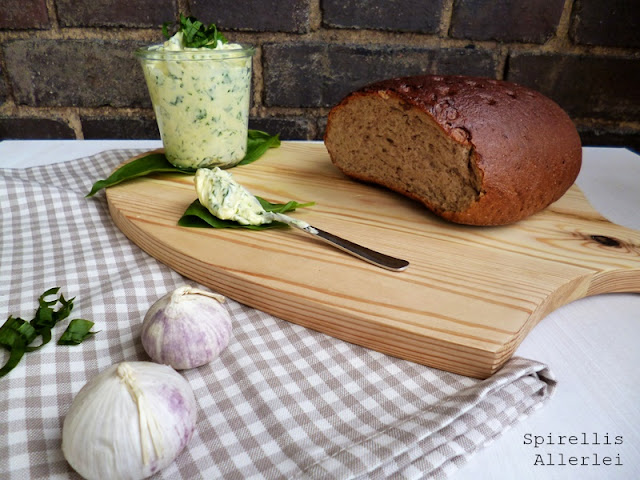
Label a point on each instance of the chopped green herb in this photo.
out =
(76, 332)
(16, 334)
(177, 100)
(46, 317)
(195, 33)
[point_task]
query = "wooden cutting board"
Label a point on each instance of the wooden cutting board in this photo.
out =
(469, 297)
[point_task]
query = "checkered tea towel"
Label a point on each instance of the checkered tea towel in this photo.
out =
(281, 402)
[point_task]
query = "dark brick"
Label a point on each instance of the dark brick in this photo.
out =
(314, 75)
(119, 13)
(533, 21)
(585, 86)
(34, 128)
(289, 128)
(294, 75)
(78, 73)
(610, 136)
(397, 15)
(614, 23)
(119, 128)
(24, 14)
(254, 15)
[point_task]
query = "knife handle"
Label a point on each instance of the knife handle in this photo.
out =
(364, 253)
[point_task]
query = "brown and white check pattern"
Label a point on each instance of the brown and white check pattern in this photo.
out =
(280, 402)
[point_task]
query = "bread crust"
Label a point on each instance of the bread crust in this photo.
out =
(525, 148)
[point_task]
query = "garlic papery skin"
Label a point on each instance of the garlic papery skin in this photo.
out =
(129, 422)
(186, 328)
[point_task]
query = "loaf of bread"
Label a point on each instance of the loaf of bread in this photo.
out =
(473, 150)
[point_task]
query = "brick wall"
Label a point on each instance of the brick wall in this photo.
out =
(67, 69)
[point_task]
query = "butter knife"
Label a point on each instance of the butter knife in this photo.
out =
(376, 258)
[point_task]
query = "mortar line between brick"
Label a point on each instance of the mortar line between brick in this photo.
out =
(564, 24)
(64, 114)
(445, 19)
(258, 80)
(315, 15)
(333, 36)
(73, 119)
(502, 62)
(596, 121)
(53, 15)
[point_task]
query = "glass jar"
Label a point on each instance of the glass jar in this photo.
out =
(201, 99)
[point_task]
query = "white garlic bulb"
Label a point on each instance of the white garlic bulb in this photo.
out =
(129, 422)
(186, 328)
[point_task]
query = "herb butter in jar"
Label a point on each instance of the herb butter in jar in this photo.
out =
(201, 100)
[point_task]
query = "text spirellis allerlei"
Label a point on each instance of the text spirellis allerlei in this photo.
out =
(595, 455)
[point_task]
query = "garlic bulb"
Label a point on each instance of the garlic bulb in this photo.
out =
(129, 422)
(186, 328)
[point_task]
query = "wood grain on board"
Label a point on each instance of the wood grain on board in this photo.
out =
(469, 297)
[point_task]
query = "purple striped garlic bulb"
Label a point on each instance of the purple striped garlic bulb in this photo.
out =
(128, 422)
(186, 328)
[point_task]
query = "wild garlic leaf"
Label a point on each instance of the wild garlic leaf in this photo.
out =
(15, 335)
(16, 326)
(46, 317)
(140, 167)
(195, 33)
(258, 143)
(65, 308)
(290, 206)
(197, 216)
(77, 331)
(165, 29)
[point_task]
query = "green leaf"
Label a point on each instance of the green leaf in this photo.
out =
(165, 29)
(16, 352)
(197, 216)
(290, 206)
(258, 143)
(44, 314)
(140, 167)
(77, 331)
(195, 33)
(46, 317)
(65, 308)
(16, 326)
(15, 335)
